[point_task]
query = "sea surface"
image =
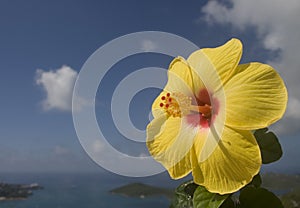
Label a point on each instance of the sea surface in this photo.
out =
(84, 190)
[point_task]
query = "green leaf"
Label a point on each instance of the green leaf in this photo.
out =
(184, 195)
(251, 197)
(256, 181)
(269, 145)
(203, 198)
(228, 203)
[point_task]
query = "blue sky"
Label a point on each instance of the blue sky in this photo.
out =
(38, 38)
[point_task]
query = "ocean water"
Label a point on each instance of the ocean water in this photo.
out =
(84, 191)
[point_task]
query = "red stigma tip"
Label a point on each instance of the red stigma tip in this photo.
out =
(167, 105)
(161, 104)
(163, 97)
(170, 99)
(168, 94)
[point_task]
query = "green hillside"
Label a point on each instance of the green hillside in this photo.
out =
(142, 190)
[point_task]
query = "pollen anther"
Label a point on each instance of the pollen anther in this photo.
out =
(178, 104)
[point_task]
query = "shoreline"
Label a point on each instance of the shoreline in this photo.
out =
(11, 192)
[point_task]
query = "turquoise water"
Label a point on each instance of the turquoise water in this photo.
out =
(84, 191)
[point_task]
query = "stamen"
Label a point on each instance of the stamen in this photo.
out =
(178, 105)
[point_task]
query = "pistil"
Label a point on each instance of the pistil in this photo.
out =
(177, 104)
(204, 110)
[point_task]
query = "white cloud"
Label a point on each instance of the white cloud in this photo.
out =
(148, 45)
(277, 24)
(79, 103)
(58, 85)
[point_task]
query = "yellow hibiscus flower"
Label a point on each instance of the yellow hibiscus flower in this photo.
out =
(204, 118)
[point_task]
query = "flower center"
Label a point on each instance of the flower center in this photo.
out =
(177, 105)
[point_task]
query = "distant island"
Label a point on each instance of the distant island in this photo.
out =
(17, 191)
(286, 186)
(142, 190)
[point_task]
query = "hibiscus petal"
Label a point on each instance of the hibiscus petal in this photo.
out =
(189, 80)
(196, 171)
(232, 164)
(169, 141)
(256, 97)
(216, 65)
(156, 109)
(181, 78)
